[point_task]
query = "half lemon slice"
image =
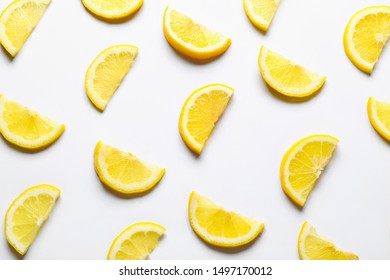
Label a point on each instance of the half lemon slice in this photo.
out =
(261, 12)
(113, 9)
(379, 116)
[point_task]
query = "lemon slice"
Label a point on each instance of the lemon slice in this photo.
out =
(113, 9)
(286, 77)
(136, 242)
(303, 164)
(27, 214)
(202, 109)
(379, 116)
(26, 128)
(311, 246)
(261, 12)
(366, 35)
(192, 39)
(106, 72)
(217, 226)
(18, 21)
(124, 172)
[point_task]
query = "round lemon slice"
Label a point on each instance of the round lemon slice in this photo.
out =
(113, 9)
(379, 116)
(26, 128)
(261, 12)
(287, 77)
(311, 246)
(106, 72)
(27, 214)
(201, 111)
(303, 164)
(365, 36)
(219, 227)
(123, 172)
(192, 39)
(136, 242)
(18, 21)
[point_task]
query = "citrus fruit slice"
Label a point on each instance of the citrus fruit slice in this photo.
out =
(18, 21)
(27, 214)
(136, 242)
(201, 111)
(379, 116)
(311, 246)
(26, 128)
(124, 172)
(366, 35)
(106, 72)
(219, 227)
(303, 164)
(113, 9)
(286, 77)
(261, 12)
(192, 39)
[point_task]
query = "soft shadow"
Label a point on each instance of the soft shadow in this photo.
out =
(383, 138)
(114, 21)
(15, 253)
(10, 57)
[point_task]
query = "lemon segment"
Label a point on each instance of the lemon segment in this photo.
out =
(219, 227)
(311, 246)
(303, 164)
(106, 72)
(123, 172)
(26, 128)
(136, 242)
(113, 9)
(18, 21)
(27, 214)
(261, 12)
(379, 116)
(201, 111)
(365, 36)
(192, 39)
(287, 77)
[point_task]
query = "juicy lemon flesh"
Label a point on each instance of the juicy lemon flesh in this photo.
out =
(305, 163)
(219, 227)
(19, 22)
(113, 9)
(379, 115)
(316, 247)
(261, 12)
(138, 246)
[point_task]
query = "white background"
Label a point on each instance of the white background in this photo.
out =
(239, 168)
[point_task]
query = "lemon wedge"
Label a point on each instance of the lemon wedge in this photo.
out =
(303, 164)
(106, 72)
(192, 39)
(201, 111)
(379, 116)
(18, 21)
(27, 214)
(287, 77)
(261, 12)
(113, 9)
(26, 128)
(219, 227)
(365, 36)
(311, 246)
(123, 172)
(136, 242)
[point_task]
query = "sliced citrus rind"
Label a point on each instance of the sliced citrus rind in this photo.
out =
(106, 72)
(136, 242)
(311, 246)
(379, 116)
(113, 9)
(123, 172)
(287, 77)
(199, 114)
(219, 227)
(303, 164)
(365, 36)
(18, 21)
(261, 12)
(27, 214)
(192, 39)
(26, 128)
